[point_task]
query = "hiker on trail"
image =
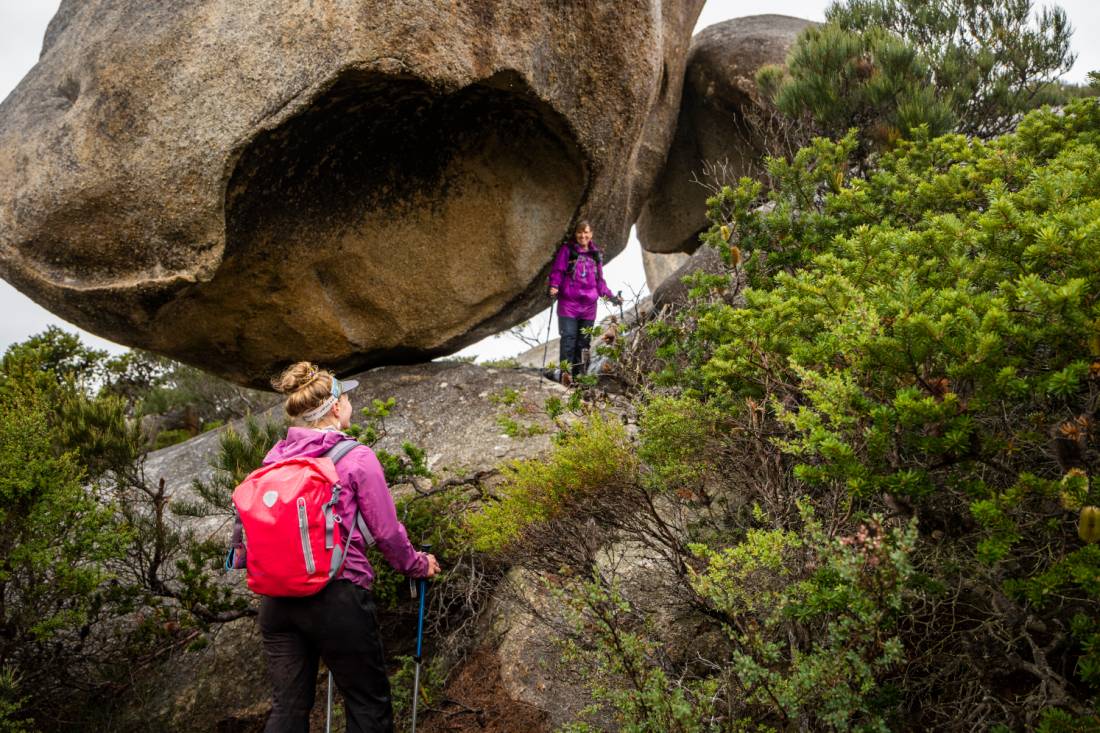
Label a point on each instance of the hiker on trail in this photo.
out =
(337, 624)
(576, 280)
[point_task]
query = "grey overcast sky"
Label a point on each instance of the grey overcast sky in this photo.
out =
(23, 23)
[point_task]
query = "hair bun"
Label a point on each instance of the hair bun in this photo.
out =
(296, 377)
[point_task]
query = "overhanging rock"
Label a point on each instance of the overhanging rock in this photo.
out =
(242, 184)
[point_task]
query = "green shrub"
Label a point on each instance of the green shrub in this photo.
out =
(923, 340)
(57, 542)
(239, 454)
(813, 619)
(624, 669)
(990, 60)
(594, 455)
(887, 67)
(508, 363)
(166, 438)
(872, 81)
(677, 438)
(432, 678)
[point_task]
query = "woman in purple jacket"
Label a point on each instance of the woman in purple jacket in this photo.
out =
(337, 624)
(576, 280)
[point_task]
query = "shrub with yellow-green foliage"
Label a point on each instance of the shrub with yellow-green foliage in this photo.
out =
(592, 456)
(679, 435)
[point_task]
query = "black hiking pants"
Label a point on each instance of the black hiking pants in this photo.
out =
(337, 625)
(573, 341)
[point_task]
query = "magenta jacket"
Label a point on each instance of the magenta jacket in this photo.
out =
(579, 291)
(364, 486)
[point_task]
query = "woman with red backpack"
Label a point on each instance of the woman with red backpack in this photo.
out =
(336, 623)
(576, 280)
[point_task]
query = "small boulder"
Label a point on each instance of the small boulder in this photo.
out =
(674, 290)
(658, 267)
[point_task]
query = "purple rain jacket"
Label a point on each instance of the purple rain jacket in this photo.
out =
(364, 485)
(578, 293)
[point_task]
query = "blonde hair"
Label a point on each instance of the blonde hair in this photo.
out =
(581, 226)
(305, 385)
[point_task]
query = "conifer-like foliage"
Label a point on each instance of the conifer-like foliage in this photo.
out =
(239, 454)
(864, 485)
(837, 79)
(97, 574)
(55, 543)
(887, 67)
(990, 60)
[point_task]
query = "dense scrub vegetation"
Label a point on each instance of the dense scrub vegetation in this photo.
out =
(857, 493)
(97, 576)
(865, 454)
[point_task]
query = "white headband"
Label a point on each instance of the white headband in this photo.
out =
(322, 409)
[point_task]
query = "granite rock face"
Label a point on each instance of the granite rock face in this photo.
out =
(719, 93)
(659, 267)
(239, 185)
(673, 290)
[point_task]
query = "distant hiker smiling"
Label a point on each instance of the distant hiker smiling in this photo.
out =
(337, 622)
(576, 280)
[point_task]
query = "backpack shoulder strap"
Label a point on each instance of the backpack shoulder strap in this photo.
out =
(341, 449)
(573, 255)
(335, 453)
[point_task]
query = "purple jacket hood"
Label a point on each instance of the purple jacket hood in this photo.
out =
(304, 443)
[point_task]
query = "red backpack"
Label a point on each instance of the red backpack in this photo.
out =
(293, 543)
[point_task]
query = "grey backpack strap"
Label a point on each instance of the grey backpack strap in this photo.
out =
(341, 449)
(335, 453)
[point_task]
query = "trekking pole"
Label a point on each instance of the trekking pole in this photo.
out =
(546, 342)
(619, 295)
(328, 705)
(422, 592)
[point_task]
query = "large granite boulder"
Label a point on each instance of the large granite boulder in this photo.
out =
(242, 184)
(719, 100)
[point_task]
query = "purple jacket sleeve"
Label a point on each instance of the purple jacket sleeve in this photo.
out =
(561, 262)
(377, 509)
